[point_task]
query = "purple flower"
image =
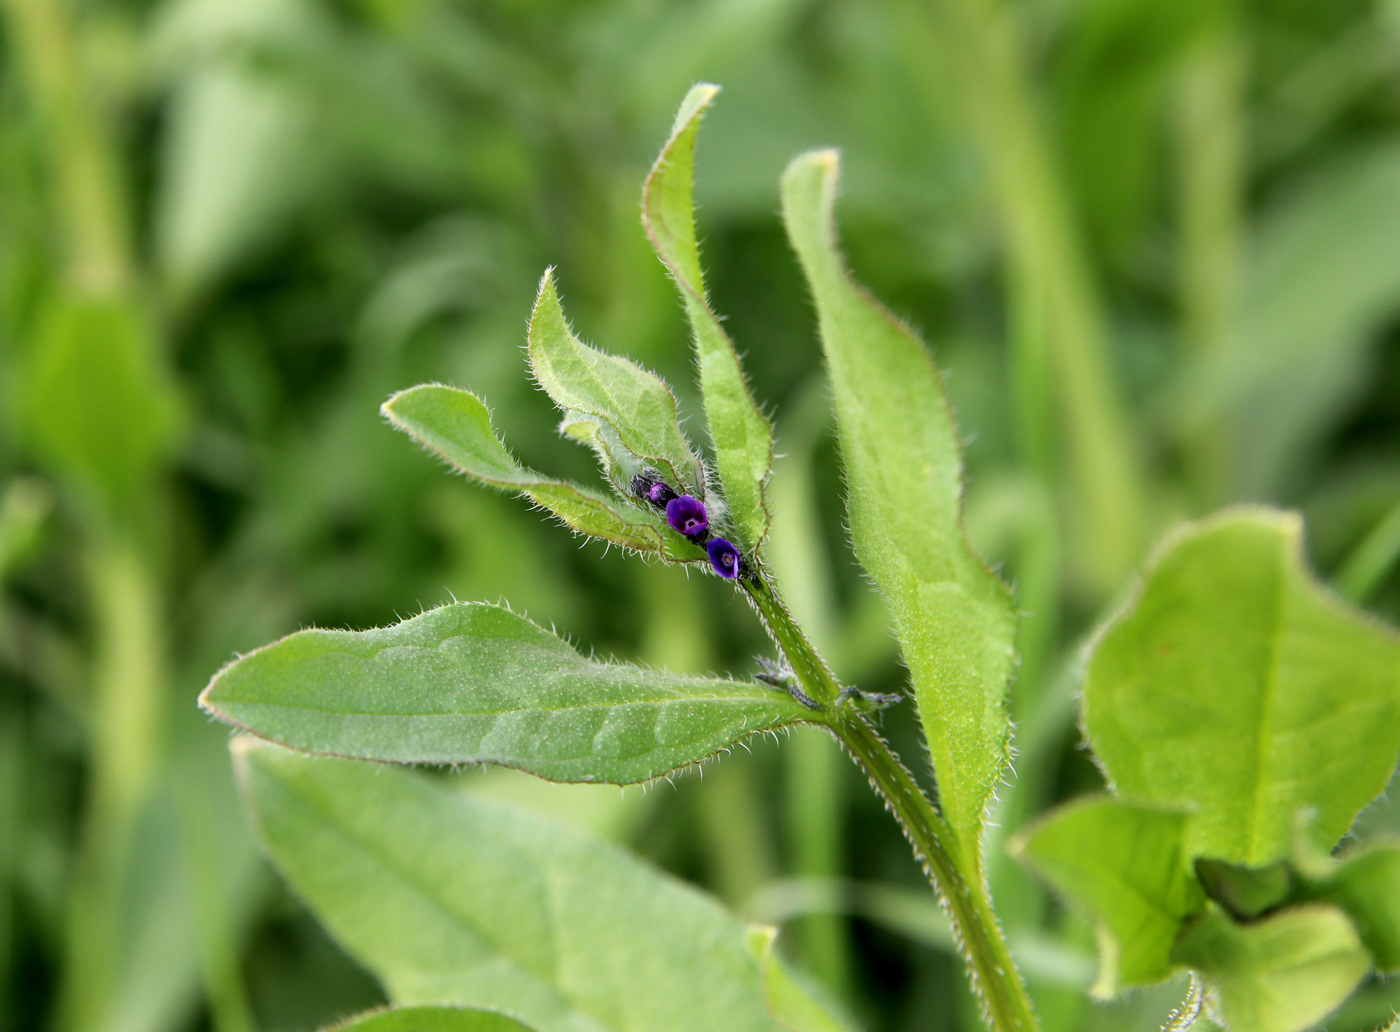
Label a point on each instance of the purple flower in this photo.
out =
(687, 516)
(725, 558)
(649, 487)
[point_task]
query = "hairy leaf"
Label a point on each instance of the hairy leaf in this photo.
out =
(742, 437)
(1282, 974)
(633, 403)
(445, 897)
(1127, 866)
(1366, 884)
(476, 683)
(430, 1019)
(456, 425)
(1237, 685)
(904, 468)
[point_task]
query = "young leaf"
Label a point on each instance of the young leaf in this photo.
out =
(456, 425)
(743, 439)
(635, 404)
(1127, 866)
(476, 683)
(445, 897)
(1237, 685)
(1282, 974)
(903, 466)
(1245, 892)
(1366, 885)
(793, 1005)
(430, 1019)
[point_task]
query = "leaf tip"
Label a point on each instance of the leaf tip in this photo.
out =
(700, 96)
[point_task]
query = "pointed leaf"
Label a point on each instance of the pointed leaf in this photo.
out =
(476, 683)
(1282, 974)
(904, 470)
(794, 1005)
(1238, 686)
(456, 425)
(430, 1019)
(742, 437)
(446, 897)
(635, 404)
(1127, 866)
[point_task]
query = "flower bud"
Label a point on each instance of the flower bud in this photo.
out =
(725, 558)
(687, 515)
(649, 487)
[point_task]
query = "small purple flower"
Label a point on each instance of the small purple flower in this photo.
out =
(649, 487)
(687, 515)
(725, 558)
(660, 494)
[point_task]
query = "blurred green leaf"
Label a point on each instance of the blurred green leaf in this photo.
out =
(1282, 974)
(1246, 892)
(743, 439)
(430, 1019)
(635, 404)
(1239, 686)
(1127, 866)
(456, 425)
(24, 506)
(445, 897)
(904, 473)
(94, 397)
(239, 161)
(476, 683)
(793, 1005)
(1321, 277)
(1366, 884)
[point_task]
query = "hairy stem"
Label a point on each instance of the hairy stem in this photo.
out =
(996, 981)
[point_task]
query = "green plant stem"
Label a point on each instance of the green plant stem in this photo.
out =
(995, 979)
(1371, 560)
(993, 973)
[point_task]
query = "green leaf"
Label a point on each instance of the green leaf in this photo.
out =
(445, 897)
(794, 1005)
(430, 1019)
(954, 617)
(96, 402)
(1282, 974)
(1237, 685)
(634, 404)
(1246, 892)
(1126, 865)
(1366, 884)
(742, 437)
(477, 683)
(456, 425)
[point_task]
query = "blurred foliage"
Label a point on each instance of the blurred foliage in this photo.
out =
(229, 228)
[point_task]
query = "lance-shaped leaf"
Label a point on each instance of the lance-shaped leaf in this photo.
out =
(794, 1005)
(430, 1019)
(1282, 974)
(1126, 865)
(1365, 884)
(1237, 686)
(446, 897)
(477, 683)
(904, 470)
(742, 437)
(456, 425)
(634, 404)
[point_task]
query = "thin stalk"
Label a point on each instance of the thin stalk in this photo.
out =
(995, 979)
